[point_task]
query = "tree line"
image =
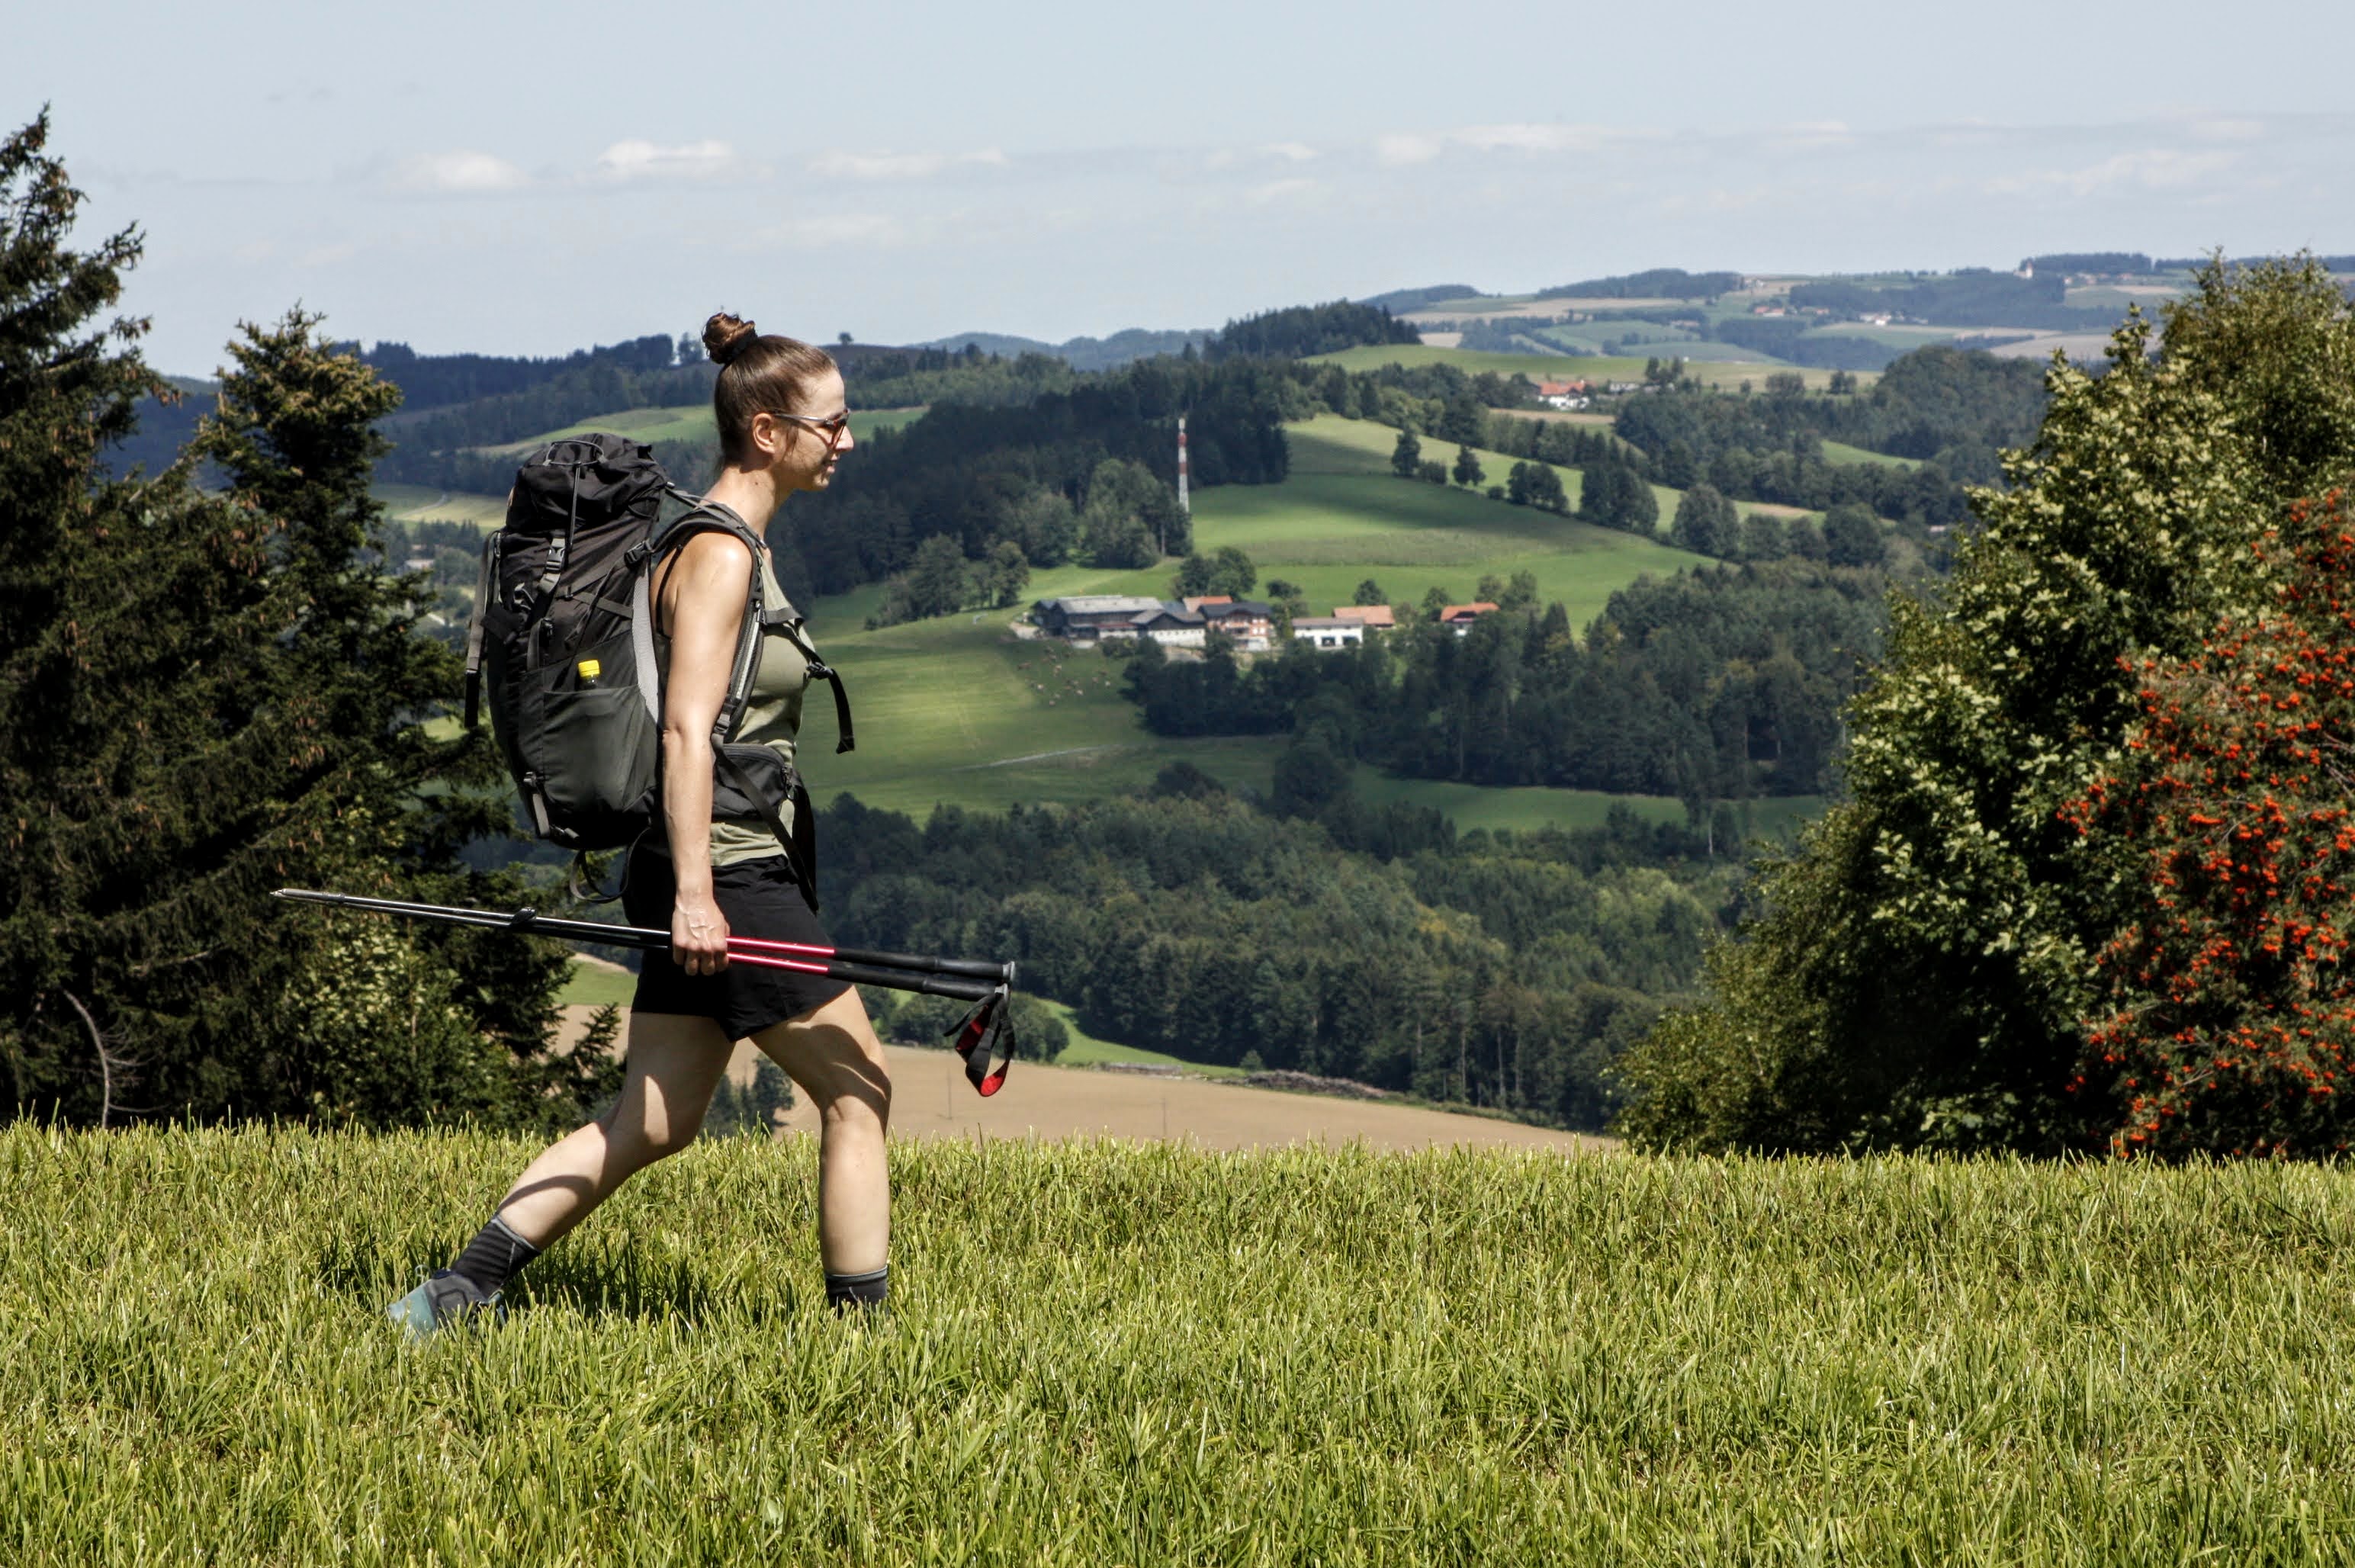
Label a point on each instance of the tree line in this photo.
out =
(1660, 282)
(1969, 297)
(1717, 684)
(1296, 332)
(1952, 409)
(1504, 974)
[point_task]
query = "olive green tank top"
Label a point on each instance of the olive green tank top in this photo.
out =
(773, 717)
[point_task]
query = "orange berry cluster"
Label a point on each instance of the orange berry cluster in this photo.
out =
(2230, 1004)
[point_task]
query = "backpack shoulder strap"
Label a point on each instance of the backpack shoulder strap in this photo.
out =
(786, 619)
(705, 517)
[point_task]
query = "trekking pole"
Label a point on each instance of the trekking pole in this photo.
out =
(987, 1030)
(966, 979)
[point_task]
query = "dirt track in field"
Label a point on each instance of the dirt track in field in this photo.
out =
(932, 1099)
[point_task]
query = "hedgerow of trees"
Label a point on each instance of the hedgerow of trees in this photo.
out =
(1660, 282)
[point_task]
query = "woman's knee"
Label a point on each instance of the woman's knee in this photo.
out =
(637, 1141)
(853, 1085)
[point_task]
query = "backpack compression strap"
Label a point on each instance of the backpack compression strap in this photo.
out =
(474, 629)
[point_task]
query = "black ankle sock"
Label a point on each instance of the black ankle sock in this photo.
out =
(864, 1291)
(494, 1254)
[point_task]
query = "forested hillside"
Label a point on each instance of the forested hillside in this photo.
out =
(1506, 975)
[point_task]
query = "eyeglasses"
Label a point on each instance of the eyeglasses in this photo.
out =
(831, 426)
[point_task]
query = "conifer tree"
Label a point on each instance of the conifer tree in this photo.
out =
(206, 696)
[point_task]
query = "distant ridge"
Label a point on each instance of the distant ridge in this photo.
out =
(1400, 301)
(1081, 353)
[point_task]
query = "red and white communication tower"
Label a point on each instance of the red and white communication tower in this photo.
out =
(1185, 503)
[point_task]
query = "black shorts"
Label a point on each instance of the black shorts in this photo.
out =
(759, 898)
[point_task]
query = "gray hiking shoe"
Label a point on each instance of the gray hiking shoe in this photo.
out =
(447, 1298)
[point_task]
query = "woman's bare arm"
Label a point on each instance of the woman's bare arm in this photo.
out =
(703, 598)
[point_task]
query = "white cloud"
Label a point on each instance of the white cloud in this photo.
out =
(1811, 135)
(328, 255)
(823, 230)
(1415, 147)
(838, 165)
(647, 160)
(1293, 152)
(459, 172)
(1279, 191)
(1533, 138)
(2228, 129)
(2153, 168)
(1407, 149)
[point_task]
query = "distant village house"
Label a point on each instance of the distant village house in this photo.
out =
(1102, 617)
(1564, 395)
(1088, 617)
(1459, 617)
(1329, 630)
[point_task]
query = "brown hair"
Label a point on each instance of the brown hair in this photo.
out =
(757, 375)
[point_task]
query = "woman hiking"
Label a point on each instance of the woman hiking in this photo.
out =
(784, 424)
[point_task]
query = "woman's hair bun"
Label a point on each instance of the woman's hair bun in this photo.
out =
(724, 338)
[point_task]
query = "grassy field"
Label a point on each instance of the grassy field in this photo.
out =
(423, 504)
(1143, 1353)
(595, 984)
(1530, 809)
(1841, 452)
(955, 709)
(1711, 373)
(1086, 1051)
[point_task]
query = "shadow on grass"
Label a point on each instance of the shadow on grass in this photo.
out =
(609, 1278)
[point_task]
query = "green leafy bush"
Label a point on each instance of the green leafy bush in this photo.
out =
(1921, 970)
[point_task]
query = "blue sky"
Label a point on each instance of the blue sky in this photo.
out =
(531, 178)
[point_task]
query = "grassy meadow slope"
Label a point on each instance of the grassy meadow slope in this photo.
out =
(1145, 1353)
(957, 709)
(423, 504)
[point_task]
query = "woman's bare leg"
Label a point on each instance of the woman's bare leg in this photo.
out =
(675, 1063)
(833, 1054)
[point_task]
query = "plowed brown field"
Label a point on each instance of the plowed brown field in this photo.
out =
(932, 1099)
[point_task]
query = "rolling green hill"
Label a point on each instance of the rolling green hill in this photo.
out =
(955, 709)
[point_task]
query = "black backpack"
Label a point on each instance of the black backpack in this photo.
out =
(563, 629)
